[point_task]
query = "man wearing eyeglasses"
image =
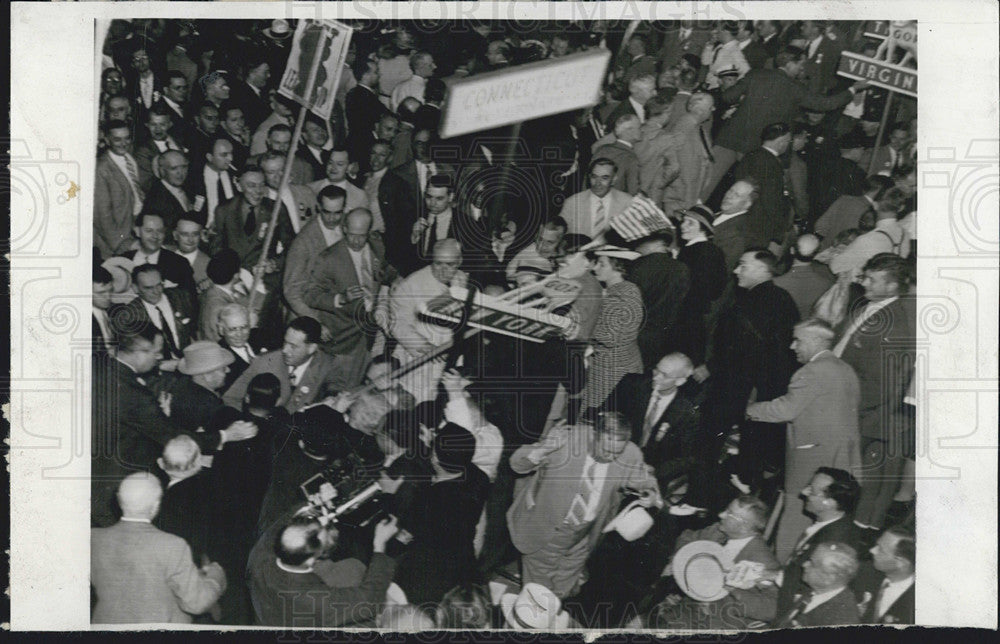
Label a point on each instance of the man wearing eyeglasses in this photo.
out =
(417, 338)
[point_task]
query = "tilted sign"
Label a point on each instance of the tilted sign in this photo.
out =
(334, 38)
(904, 31)
(879, 73)
(524, 92)
(492, 314)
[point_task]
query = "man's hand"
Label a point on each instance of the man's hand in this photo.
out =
(168, 365)
(214, 571)
(241, 430)
(385, 530)
(353, 293)
(775, 249)
(389, 485)
(651, 498)
(325, 334)
(701, 373)
(419, 227)
(270, 266)
(860, 85)
(164, 401)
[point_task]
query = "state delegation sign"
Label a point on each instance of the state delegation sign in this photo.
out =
(879, 73)
(334, 38)
(522, 93)
(497, 316)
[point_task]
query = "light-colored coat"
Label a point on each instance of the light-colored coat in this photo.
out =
(322, 378)
(114, 205)
(543, 503)
(577, 211)
(144, 575)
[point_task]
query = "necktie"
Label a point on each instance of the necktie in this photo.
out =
(708, 148)
(367, 276)
(599, 217)
(133, 174)
(578, 509)
(878, 612)
(797, 609)
(168, 335)
(647, 424)
(251, 222)
(292, 377)
(715, 55)
(429, 233)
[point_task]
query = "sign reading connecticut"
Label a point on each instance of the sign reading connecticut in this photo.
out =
(522, 93)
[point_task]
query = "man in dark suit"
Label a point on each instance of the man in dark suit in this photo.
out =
(143, 575)
(830, 497)
(766, 96)
(205, 127)
(822, 57)
(848, 211)
(250, 93)
(175, 98)
(143, 78)
(889, 596)
(151, 231)
(343, 286)
(828, 601)
(665, 423)
(168, 196)
(234, 332)
(640, 89)
(306, 373)
(158, 124)
(170, 311)
(768, 219)
(768, 36)
(750, 350)
(755, 53)
(401, 200)
(879, 341)
(664, 283)
(361, 105)
(442, 219)
(681, 40)
(103, 339)
(183, 510)
(730, 224)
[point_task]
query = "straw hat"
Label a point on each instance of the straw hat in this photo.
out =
(534, 608)
(204, 356)
(279, 30)
(699, 571)
(701, 214)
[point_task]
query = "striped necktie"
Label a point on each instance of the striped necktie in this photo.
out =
(578, 509)
(133, 175)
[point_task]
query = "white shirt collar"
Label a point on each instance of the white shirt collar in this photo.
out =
(135, 520)
(152, 258)
(723, 218)
(696, 240)
(814, 528)
(640, 110)
(300, 370)
(821, 598)
(330, 236)
(819, 354)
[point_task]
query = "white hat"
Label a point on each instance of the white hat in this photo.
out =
(279, 30)
(631, 523)
(616, 251)
(534, 608)
(699, 571)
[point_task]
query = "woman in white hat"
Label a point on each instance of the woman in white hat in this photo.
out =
(616, 351)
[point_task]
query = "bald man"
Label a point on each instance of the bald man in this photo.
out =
(143, 575)
(417, 338)
(288, 573)
(821, 409)
(806, 280)
(343, 288)
(168, 196)
(183, 505)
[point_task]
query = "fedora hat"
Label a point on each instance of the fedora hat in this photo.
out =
(699, 571)
(204, 356)
(279, 30)
(631, 523)
(534, 608)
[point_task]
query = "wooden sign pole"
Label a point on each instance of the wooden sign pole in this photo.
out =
(287, 171)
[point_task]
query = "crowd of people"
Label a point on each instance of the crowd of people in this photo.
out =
(752, 361)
